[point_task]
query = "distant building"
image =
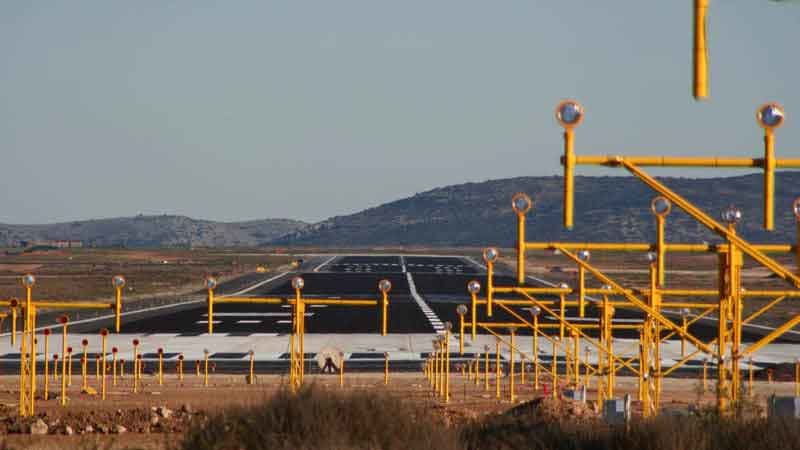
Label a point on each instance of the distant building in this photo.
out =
(52, 243)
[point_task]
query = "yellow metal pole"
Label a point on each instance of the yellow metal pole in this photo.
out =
(576, 357)
(135, 365)
(554, 370)
(14, 324)
(103, 336)
(486, 369)
(769, 179)
(160, 366)
(521, 370)
(705, 375)
(252, 378)
(511, 348)
(700, 90)
(581, 292)
(69, 366)
(55, 366)
(797, 378)
(447, 365)
(461, 334)
(64, 359)
(341, 371)
(474, 307)
(205, 368)
(569, 177)
(661, 249)
(210, 311)
(46, 367)
(118, 309)
(497, 369)
(520, 248)
(386, 368)
(536, 352)
(562, 306)
(180, 367)
(489, 288)
(113, 366)
(84, 366)
(385, 315)
(750, 378)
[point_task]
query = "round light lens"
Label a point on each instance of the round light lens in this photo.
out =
(685, 312)
(569, 113)
(584, 255)
(298, 283)
(210, 282)
(521, 203)
(652, 256)
(660, 206)
(473, 287)
(770, 115)
(385, 286)
(535, 311)
(118, 281)
(28, 280)
(448, 326)
(461, 310)
(606, 287)
(732, 215)
(796, 208)
(563, 286)
(490, 255)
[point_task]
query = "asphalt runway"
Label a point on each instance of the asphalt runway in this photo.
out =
(425, 293)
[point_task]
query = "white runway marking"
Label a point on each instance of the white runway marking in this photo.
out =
(248, 321)
(257, 285)
(328, 261)
(435, 321)
(403, 264)
(254, 314)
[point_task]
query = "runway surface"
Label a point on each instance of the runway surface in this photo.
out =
(426, 289)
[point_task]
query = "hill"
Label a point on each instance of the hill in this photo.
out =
(607, 208)
(152, 231)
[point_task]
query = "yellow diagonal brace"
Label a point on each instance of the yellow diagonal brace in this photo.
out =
(691, 322)
(633, 299)
(764, 309)
(570, 326)
(711, 224)
(776, 333)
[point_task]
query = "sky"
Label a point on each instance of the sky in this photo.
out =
(243, 109)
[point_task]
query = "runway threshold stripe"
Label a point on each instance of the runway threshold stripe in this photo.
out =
(435, 321)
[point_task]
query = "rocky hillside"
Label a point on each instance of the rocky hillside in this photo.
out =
(607, 208)
(152, 231)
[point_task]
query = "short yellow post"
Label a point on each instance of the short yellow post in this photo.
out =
(138, 373)
(97, 368)
(447, 329)
(103, 340)
(522, 370)
(750, 378)
(386, 369)
(46, 365)
(160, 366)
(341, 370)
(69, 366)
(122, 369)
(705, 375)
(135, 366)
(486, 368)
(114, 366)
(797, 378)
(180, 367)
(251, 379)
(84, 363)
(205, 365)
(497, 370)
(14, 303)
(511, 395)
(65, 351)
(55, 366)
(197, 368)
(554, 369)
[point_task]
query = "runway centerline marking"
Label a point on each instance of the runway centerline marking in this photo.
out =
(435, 321)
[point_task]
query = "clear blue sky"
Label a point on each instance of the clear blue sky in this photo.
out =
(249, 109)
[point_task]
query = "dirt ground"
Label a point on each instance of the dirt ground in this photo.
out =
(155, 417)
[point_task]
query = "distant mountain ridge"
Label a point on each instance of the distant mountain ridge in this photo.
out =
(469, 214)
(606, 208)
(152, 231)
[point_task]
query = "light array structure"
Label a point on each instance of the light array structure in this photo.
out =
(299, 303)
(28, 342)
(657, 326)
